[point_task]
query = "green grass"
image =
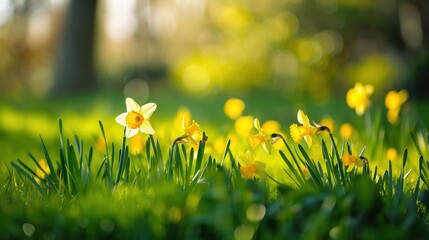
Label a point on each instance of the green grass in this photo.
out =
(171, 190)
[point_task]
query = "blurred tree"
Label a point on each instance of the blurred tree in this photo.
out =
(15, 57)
(74, 69)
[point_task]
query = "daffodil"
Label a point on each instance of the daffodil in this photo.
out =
(182, 114)
(136, 118)
(394, 100)
(392, 153)
(351, 161)
(234, 107)
(358, 97)
(305, 131)
(260, 138)
(243, 125)
(44, 169)
(346, 130)
(249, 167)
(192, 133)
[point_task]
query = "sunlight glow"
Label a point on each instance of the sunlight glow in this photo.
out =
(6, 11)
(196, 78)
(121, 23)
(39, 28)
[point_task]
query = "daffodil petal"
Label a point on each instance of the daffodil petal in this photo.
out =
(146, 127)
(369, 89)
(131, 132)
(148, 109)
(265, 147)
(245, 159)
(184, 122)
(360, 109)
(308, 139)
(121, 119)
(403, 94)
(257, 124)
(260, 167)
(302, 118)
(132, 106)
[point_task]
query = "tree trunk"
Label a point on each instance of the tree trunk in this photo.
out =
(74, 66)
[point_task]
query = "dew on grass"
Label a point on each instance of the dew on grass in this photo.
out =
(28, 229)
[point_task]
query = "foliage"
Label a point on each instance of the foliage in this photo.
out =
(191, 188)
(191, 195)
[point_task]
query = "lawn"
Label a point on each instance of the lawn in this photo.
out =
(68, 171)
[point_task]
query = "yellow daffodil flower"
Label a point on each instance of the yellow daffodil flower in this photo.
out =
(234, 107)
(394, 100)
(192, 133)
(182, 113)
(260, 138)
(305, 131)
(392, 153)
(136, 118)
(358, 97)
(243, 125)
(45, 168)
(249, 168)
(346, 130)
(351, 161)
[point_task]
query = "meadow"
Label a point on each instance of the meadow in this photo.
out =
(245, 166)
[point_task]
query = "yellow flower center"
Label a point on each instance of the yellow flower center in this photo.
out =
(348, 159)
(346, 130)
(134, 120)
(248, 171)
(193, 129)
(298, 132)
(255, 140)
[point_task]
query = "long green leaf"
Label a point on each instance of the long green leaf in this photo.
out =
(23, 172)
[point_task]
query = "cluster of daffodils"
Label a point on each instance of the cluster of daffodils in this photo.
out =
(137, 119)
(266, 136)
(358, 98)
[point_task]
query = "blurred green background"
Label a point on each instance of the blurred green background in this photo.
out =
(302, 49)
(78, 59)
